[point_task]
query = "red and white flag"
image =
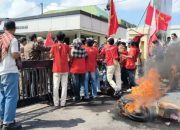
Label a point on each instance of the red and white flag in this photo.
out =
(113, 20)
(49, 41)
(157, 21)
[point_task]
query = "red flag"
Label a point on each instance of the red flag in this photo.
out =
(113, 21)
(49, 42)
(162, 20)
(138, 37)
(149, 14)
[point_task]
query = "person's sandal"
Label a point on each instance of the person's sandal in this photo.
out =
(12, 126)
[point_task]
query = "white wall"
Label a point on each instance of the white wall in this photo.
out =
(94, 25)
(69, 22)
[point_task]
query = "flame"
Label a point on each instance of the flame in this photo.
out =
(146, 92)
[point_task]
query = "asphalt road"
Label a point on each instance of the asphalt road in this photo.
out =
(85, 116)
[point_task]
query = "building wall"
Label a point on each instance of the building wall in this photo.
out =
(94, 25)
(72, 25)
(49, 24)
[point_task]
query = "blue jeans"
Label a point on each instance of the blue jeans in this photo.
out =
(8, 97)
(93, 84)
(131, 77)
(78, 82)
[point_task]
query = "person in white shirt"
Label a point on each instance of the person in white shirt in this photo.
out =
(9, 77)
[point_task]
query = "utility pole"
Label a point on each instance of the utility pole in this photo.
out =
(42, 8)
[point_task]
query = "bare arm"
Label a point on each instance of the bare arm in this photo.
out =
(16, 55)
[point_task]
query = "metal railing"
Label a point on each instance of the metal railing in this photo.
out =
(36, 82)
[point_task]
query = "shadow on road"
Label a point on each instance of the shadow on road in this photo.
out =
(38, 123)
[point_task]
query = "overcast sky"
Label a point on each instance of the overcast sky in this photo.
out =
(130, 10)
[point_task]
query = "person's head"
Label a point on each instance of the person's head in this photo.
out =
(95, 44)
(118, 43)
(77, 43)
(168, 39)
(60, 36)
(23, 40)
(174, 36)
(131, 44)
(110, 41)
(40, 41)
(33, 38)
(66, 41)
(89, 42)
(123, 43)
(55, 41)
(83, 41)
(10, 26)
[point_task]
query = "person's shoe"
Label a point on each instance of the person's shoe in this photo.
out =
(63, 105)
(12, 126)
(118, 93)
(56, 107)
(98, 90)
(86, 99)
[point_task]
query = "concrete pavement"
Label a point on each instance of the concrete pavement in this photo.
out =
(84, 116)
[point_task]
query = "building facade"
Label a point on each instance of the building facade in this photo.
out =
(74, 23)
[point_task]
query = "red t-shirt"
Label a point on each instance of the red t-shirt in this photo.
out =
(110, 52)
(123, 59)
(78, 66)
(91, 59)
(60, 53)
(131, 62)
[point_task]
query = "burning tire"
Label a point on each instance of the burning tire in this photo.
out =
(144, 114)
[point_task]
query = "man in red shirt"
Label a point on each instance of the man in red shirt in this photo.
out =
(123, 51)
(60, 53)
(113, 68)
(131, 59)
(91, 68)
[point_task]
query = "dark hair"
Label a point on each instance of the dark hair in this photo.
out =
(118, 43)
(22, 39)
(60, 36)
(55, 41)
(174, 34)
(33, 36)
(90, 42)
(66, 40)
(9, 25)
(83, 40)
(111, 41)
(123, 43)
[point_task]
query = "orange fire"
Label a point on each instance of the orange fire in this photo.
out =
(146, 92)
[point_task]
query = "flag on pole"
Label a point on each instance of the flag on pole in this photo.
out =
(49, 41)
(153, 31)
(113, 20)
(162, 20)
(157, 21)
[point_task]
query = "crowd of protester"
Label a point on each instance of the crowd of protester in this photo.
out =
(82, 60)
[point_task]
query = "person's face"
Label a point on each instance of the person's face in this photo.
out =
(173, 37)
(95, 44)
